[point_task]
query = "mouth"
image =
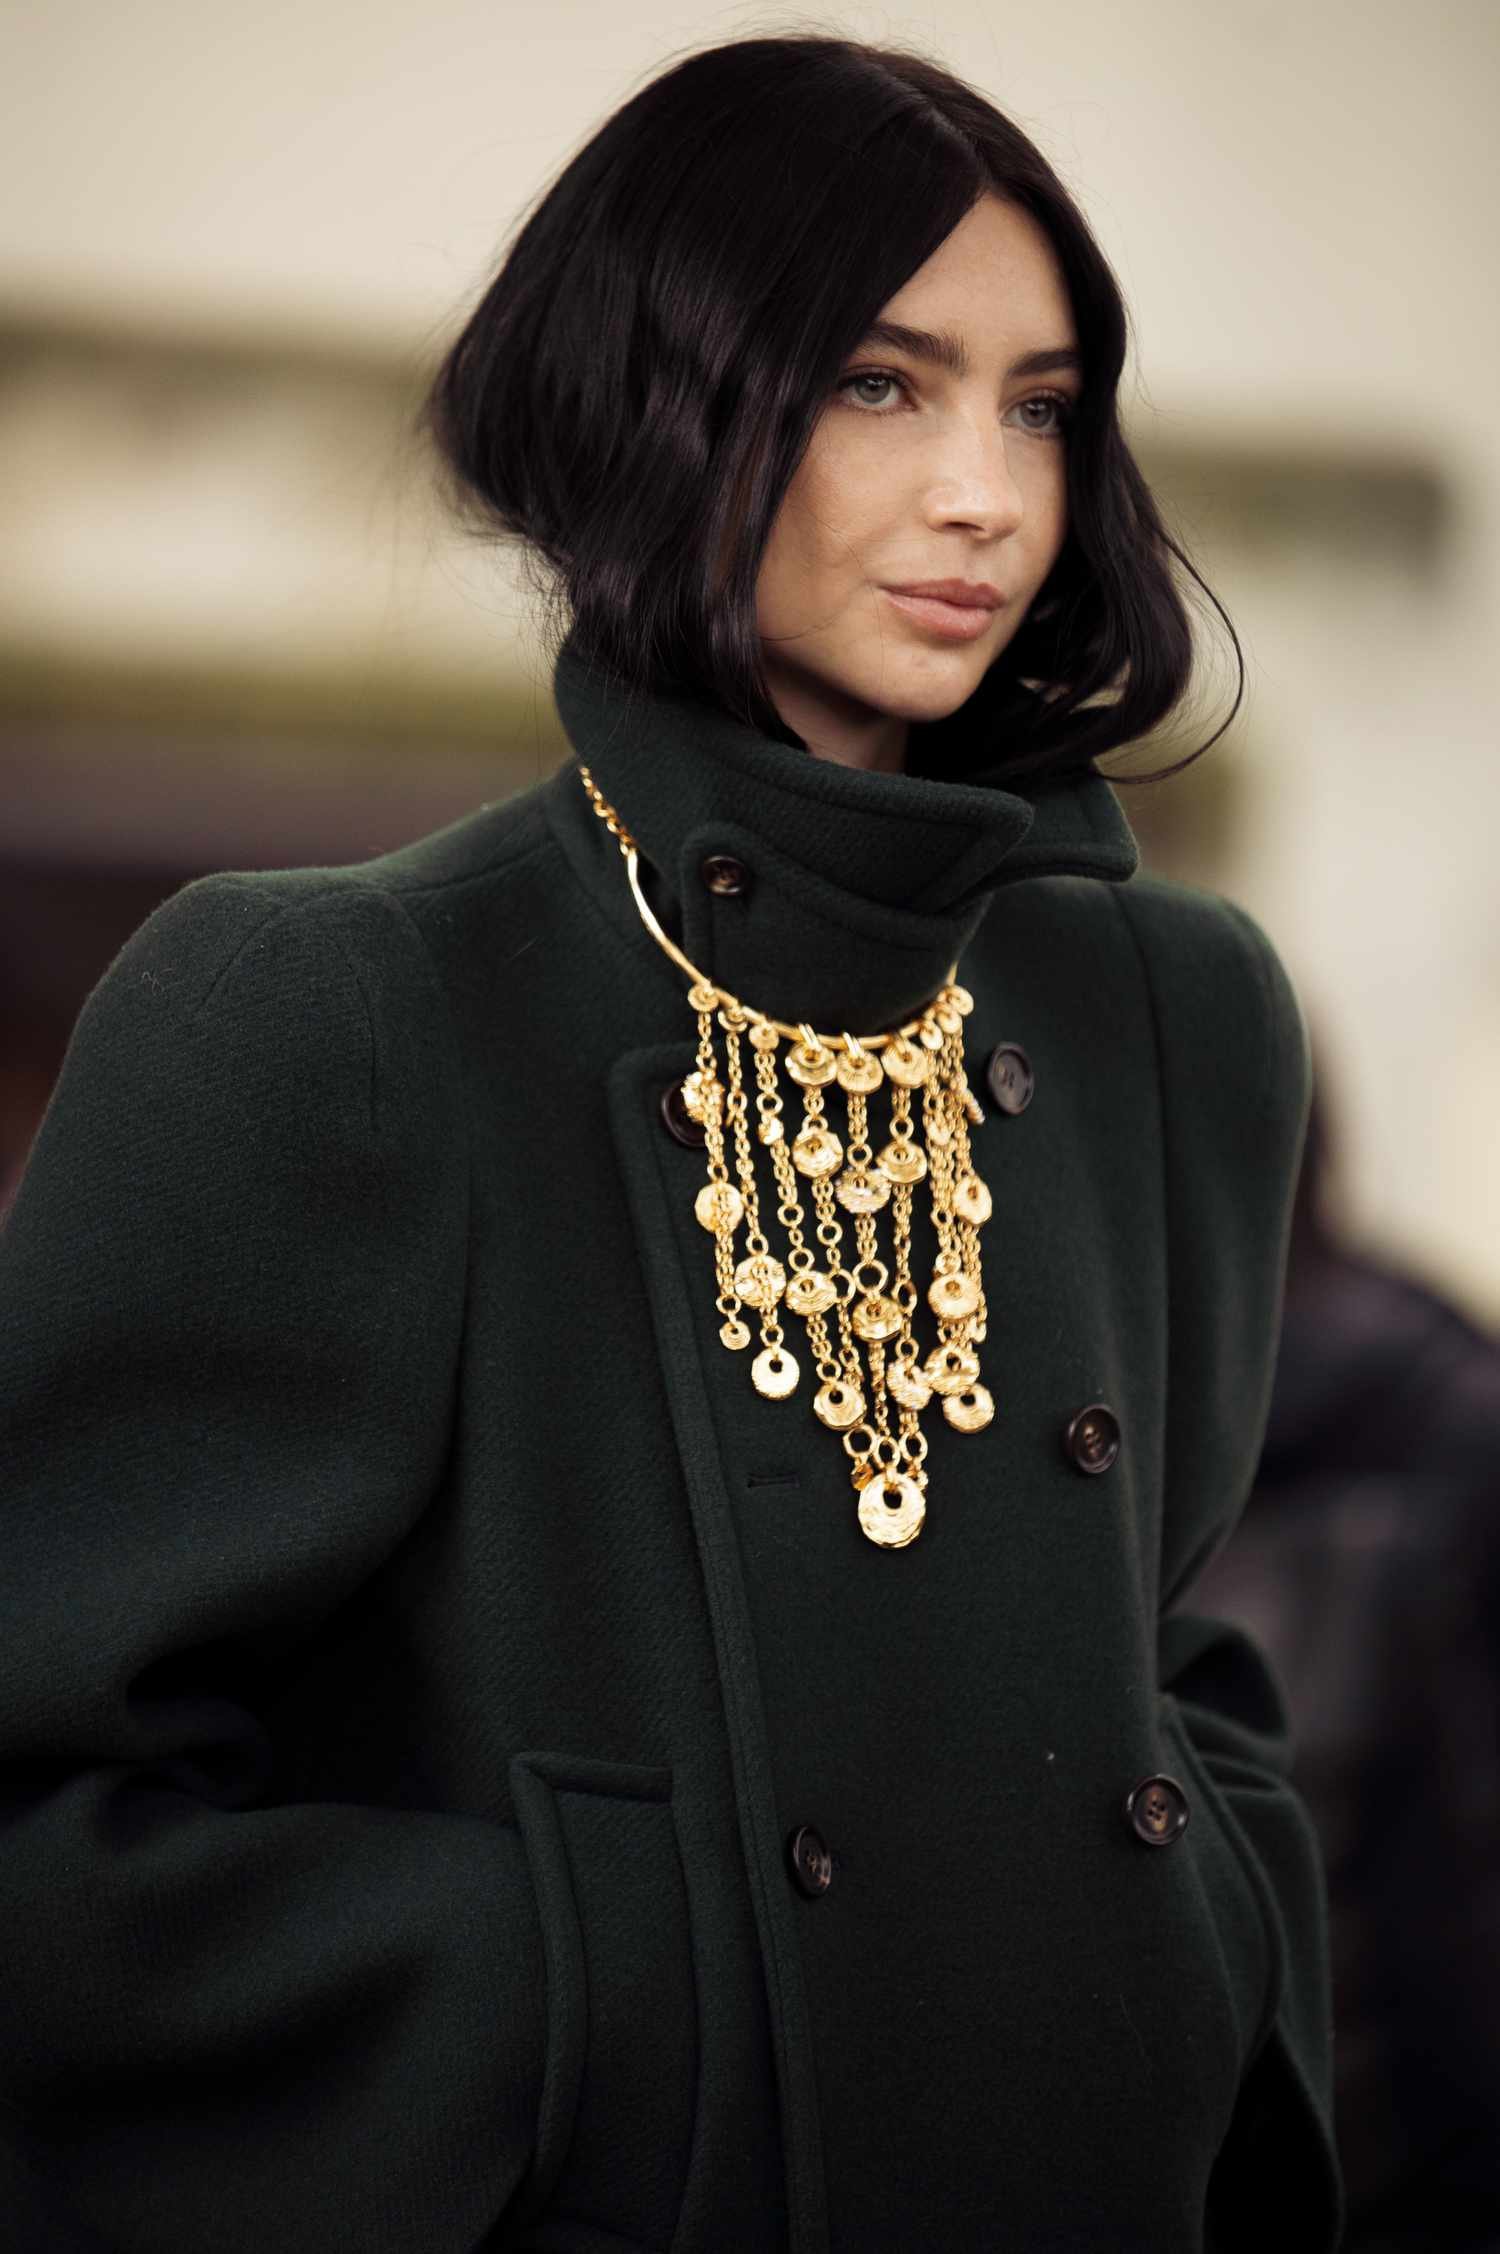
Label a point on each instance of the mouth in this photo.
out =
(950, 621)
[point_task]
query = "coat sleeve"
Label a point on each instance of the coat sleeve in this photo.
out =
(231, 1298)
(1236, 1090)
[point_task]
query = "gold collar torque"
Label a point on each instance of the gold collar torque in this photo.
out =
(924, 1058)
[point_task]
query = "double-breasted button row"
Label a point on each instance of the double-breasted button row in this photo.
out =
(1156, 1810)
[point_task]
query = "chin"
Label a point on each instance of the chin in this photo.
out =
(927, 691)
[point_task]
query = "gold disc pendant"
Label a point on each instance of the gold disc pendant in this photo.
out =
(973, 1201)
(861, 1074)
(839, 1405)
(760, 1278)
(891, 1509)
(774, 1372)
(971, 1410)
(906, 1384)
(719, 1205)
(953, 1295)
(810, 1292)
(951, 1368)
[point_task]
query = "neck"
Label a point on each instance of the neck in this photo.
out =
(840, 729)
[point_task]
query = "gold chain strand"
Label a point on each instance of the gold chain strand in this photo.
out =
(874, 1301)
(810, 1291)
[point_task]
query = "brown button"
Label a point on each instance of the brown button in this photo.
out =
(1010, 1077)
(1157, 1810)
(723, 874)
(1092, 1440)
(679, 1120)
(812, 1865)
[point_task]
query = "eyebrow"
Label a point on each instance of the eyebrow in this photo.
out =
(946, 351)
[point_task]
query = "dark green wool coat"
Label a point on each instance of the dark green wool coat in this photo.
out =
(419, 1643)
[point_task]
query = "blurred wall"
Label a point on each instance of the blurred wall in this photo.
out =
(234, 630)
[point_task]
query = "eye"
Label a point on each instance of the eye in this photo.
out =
(1065, 409)
(874, 376)
(1063, 406)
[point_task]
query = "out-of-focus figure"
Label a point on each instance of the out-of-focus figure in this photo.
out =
(1367, 1563)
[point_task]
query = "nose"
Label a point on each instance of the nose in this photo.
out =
(974, 484)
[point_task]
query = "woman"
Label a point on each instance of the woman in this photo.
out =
(579, 1676)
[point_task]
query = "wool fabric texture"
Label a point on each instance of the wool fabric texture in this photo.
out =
(419, 1642)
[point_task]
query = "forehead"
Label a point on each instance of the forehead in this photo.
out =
(995, 281)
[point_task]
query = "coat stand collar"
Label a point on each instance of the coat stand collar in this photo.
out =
(859, 890)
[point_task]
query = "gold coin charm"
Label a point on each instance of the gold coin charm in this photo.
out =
(948, 1018)
(972, 1202)
(878, 1316)
(734, 1333)
(774, 1372)
(906, 1384)
(891, 1509)
(951, 1368)
(816, 1151)
(930, 1033)
(810, 1064)
(703, 995)
(810, 1292)
(960, 997)
(859, 1073)
(902, 1160)
(763, 1036)
(839, 1405)
(760, 1279)
(862, 1189)
(907, 1064)
(970, 1410)
(719, 1205)
(951, 1295)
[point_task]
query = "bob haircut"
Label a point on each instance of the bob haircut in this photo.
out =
(635, 389)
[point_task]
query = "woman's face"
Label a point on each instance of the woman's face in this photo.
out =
(915, 472)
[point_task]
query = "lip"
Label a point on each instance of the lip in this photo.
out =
(954, 621)
(967, 593)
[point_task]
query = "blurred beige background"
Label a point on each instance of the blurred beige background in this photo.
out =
(234, 630)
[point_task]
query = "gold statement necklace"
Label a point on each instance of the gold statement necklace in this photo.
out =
(855, 1392)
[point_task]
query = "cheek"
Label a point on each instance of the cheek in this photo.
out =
(779, 580)
(1051, 502)
(833, 503)
(797, 555)
(853, 489)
